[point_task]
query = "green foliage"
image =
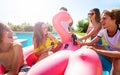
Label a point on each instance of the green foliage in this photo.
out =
(50, 27)
(81, 34)
(104, 43)
(82, 25)
(28, 28)
(21, 27)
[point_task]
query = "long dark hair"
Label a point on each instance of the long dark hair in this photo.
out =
(97, 14)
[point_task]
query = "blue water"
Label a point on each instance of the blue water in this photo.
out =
(28, 36)
(25, 35)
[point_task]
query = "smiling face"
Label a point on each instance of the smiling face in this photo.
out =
(94, 15)
(7, 35)
(91, 15)
(44, 29)
(106, 21)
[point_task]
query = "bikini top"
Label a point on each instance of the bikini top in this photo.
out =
(47, 44)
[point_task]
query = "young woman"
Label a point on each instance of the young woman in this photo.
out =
(110, 20)
(94, 27)
(11, 55)
(44, 42)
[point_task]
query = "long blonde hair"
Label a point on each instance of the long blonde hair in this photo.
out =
(97, 14)
(38, 33)
(2, 28)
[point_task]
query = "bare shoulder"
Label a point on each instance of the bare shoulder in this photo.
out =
(17, 46)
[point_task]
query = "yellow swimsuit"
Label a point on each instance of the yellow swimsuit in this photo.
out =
(47, 45)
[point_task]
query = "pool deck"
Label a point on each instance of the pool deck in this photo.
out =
(20, 40)
(15, 37)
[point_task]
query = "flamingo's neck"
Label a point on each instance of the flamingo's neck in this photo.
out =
(65, 26)
(65, 36)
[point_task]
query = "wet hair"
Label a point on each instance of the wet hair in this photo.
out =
(38, 33)
(114, 14)
(97, 14)
(2, 28)
(63, 8)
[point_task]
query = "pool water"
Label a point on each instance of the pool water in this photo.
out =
(28, 37)
(25, 35)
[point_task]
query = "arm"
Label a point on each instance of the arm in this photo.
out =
(59, 45)
(18, 60)
(93, 31)
(71, 32)
(70, 24)
(43, 51)
(56, 41)
(34, 43)
(92, 42)
(102, 50)
(35, 47)
(113, 54)
(70, 20)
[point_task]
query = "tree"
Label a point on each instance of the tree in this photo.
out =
(28, 28)
(50, 27)
(82, 25)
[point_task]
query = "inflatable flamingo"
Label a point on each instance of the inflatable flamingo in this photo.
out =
(72, 60)
(84, 61)
(61, 23)
(52, 65)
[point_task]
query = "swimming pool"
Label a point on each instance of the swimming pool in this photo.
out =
(26, 37)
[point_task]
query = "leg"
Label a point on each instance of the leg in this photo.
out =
(103, 48)
(42, 56)
(115, 67)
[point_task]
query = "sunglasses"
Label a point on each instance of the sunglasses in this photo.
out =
(91, 14)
